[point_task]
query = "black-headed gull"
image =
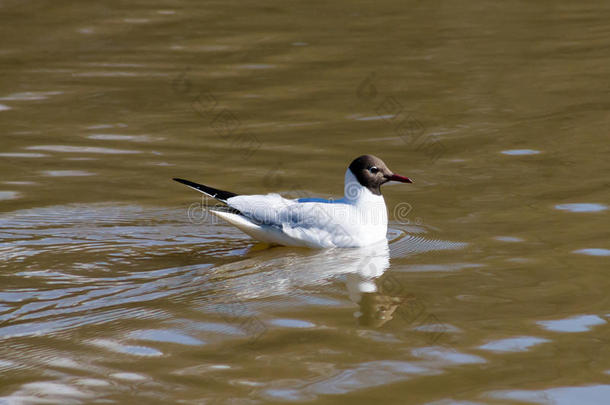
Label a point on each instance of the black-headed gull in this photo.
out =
(358, 219)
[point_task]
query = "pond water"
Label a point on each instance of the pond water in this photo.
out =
(118, 287)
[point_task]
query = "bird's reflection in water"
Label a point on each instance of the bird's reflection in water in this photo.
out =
(280, 271)
(377, 309)
(375, 306)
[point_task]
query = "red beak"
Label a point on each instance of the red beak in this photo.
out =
(396, 177)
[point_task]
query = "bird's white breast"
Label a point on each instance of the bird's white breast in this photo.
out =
(370, 214)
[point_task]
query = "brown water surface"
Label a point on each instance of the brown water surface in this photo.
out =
(116, 287)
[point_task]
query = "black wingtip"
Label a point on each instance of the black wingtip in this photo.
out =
(220, 195)
(186, 182)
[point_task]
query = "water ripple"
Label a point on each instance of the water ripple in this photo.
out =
(582, 207)
(581, 323)
(82, 149)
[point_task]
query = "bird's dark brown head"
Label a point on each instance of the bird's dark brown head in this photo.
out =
(371, 172)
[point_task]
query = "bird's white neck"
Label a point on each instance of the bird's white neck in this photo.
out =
(370, 218)
(356, 193)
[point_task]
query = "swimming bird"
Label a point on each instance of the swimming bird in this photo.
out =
(358, 219)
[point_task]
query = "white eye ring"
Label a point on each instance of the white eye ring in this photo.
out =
(374, 169)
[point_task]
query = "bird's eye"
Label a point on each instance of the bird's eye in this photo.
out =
(374, 169)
